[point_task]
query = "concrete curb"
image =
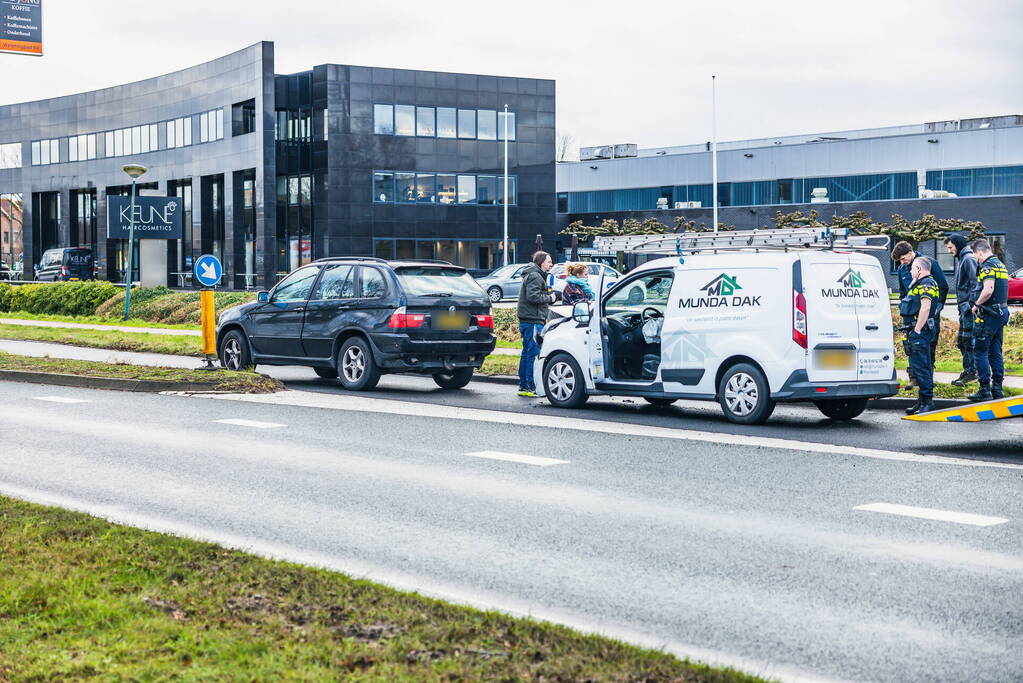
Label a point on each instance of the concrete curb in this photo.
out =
(88, 382)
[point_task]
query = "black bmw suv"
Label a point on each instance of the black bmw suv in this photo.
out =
(359, 318)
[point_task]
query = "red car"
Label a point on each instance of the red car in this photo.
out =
(1016, 287)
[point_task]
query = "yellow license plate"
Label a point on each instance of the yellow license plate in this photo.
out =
(836, 360)
(451, 321)
(73, 279)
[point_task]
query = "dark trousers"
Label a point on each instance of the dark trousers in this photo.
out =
(987, 349)
(965, 340)
(921, 361)
(530, 350)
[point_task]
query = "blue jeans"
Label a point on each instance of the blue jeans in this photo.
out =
(530, 350)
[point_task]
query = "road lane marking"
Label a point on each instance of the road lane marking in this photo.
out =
(516, 457)
(60, 399)
(310, 399)
(932, 513)
(251, 423)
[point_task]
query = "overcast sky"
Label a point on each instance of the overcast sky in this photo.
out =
(626, 71)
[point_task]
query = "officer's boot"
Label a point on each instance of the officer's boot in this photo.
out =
(926, 404)
(964, 378)
(996, 390)
(982, 394)
(915, 408)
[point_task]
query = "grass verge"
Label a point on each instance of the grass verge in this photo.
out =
(219, 380)
(102, 339)
(86, 599)
(500, 365)
(96, 320)
(942, 390)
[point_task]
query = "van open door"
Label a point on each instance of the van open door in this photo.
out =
(875, 359)
(831, 316)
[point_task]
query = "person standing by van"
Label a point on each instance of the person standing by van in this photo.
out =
(904, 254)
(920, 309)
(990, 305)
(965, 284)
(533, 308)
(577, 285)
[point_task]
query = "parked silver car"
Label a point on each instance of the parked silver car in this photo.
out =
(503, 283)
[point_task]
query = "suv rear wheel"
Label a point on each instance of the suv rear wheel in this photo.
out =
(357, 371)
(234, 351)
(842, 408)
(744, 395)
(456, 379)
(563, 382)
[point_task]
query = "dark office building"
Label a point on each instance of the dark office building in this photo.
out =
(277, 170)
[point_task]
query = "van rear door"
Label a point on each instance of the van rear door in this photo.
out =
(875, 359)
(831, 317)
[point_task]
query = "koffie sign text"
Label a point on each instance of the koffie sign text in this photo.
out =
(156, 218)
(21, 27)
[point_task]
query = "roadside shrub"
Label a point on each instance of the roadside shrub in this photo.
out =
(5, 296)
(1016, 320)
(59, 298)
(162, 305)
(506, 324)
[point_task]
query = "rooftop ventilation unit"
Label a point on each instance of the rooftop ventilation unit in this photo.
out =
(594, 153)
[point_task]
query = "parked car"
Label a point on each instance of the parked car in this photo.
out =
(67, 264)
(745, 329)
(558, 277)
(359, 318)
(5, 272)
(503, 283)
(1016, 287)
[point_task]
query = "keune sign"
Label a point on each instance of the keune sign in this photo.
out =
(156, 218)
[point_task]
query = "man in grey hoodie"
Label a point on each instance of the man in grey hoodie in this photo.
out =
(534, 302)
(965, 284)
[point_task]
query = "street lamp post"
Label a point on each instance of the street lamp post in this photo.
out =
(133, 170)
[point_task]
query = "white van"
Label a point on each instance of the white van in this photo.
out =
(747, 329)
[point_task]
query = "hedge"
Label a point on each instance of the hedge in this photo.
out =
(161, 305)
(56, 298)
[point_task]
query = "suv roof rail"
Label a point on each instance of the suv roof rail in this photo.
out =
(735, 240)
(351, 258)
(424, 260)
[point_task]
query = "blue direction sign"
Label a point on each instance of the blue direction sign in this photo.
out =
(208, 270)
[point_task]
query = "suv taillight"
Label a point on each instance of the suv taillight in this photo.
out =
(798, 318)
(485, 321)
(63, 271)
(400, 320)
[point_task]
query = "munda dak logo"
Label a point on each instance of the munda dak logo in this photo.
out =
(720, 293)
(852, 287)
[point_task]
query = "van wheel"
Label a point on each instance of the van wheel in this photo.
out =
(842, 408)
(234, 351)
(357, 371)
(456, 379)
(326, 373)
(563, 382)
(745, 396)
(660, 402)
(495, 294)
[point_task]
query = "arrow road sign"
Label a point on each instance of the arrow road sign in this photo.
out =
(208, 270)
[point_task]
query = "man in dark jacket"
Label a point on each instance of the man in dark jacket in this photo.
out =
(965, 286)
(904, 254)
(534, 302)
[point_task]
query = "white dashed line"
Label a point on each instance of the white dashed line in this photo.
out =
(931, 513)
(251, 423)
(60, 399)
(516, 457)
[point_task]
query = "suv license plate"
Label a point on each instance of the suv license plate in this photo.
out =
(451, 321)
(835, 359)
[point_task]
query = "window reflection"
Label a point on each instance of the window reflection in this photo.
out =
(501, 116)
(447, 188)
(441, 188)
(383, 119)
(446, 123)
(486, 188)
(404, 120)
(466, 189)
(487, 126)
(425, 188)
(467, 123)
(405, 187)
(425, 126)
(383, 187)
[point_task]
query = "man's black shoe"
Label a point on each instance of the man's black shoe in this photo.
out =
(964, 378)
(915, 408)
(996, 391)
(926, 407)
(982, 394)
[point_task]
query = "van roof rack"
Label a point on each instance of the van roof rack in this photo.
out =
(735, 240)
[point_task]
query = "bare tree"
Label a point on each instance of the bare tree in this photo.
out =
(566, 142)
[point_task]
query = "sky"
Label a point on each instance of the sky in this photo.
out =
(636, 72)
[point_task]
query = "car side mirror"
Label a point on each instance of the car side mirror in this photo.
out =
(581, 312)
(262, 297)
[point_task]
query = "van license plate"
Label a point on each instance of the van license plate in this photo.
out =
(72, 279)
(451, 321)
(833, 359)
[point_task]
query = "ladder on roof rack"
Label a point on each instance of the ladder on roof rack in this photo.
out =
(733, 240)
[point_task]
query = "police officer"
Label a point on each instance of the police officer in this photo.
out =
(905, 255)
(965, 285)
(920, 309)
(990, 305)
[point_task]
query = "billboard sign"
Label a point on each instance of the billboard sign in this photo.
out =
(21, 27)
(156, 218)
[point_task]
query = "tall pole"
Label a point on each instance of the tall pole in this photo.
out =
(714, 145)
(506, 184)
(131, 243)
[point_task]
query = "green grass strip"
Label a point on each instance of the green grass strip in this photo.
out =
(116, 340)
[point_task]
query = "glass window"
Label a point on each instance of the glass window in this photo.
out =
(512, 190)
(446, 122)
(425, 188)
(425, 125)
(306, 190)
(487, 127)
(179, 128)
(171, 144)
(293, 191)
(186, 126)
(144, 133)
(486, 189)
(405, 249)
(447, 191)
(383, 249)
(108, 139)
(36, 154)
(466, 189)
(500, 125)
(405, 187)
(72, 149)
(45, 157)
(383, 119)
(404, 120)
(90, 146)
(220, 124)
(296, 286)
(373, 285)
(635, 295)
(10, 155)
(136, 140)
(338, 282)
(424, 249)
(383, 187)
(467, 123)
(204, 127)
(424, 280)
(54, 151)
